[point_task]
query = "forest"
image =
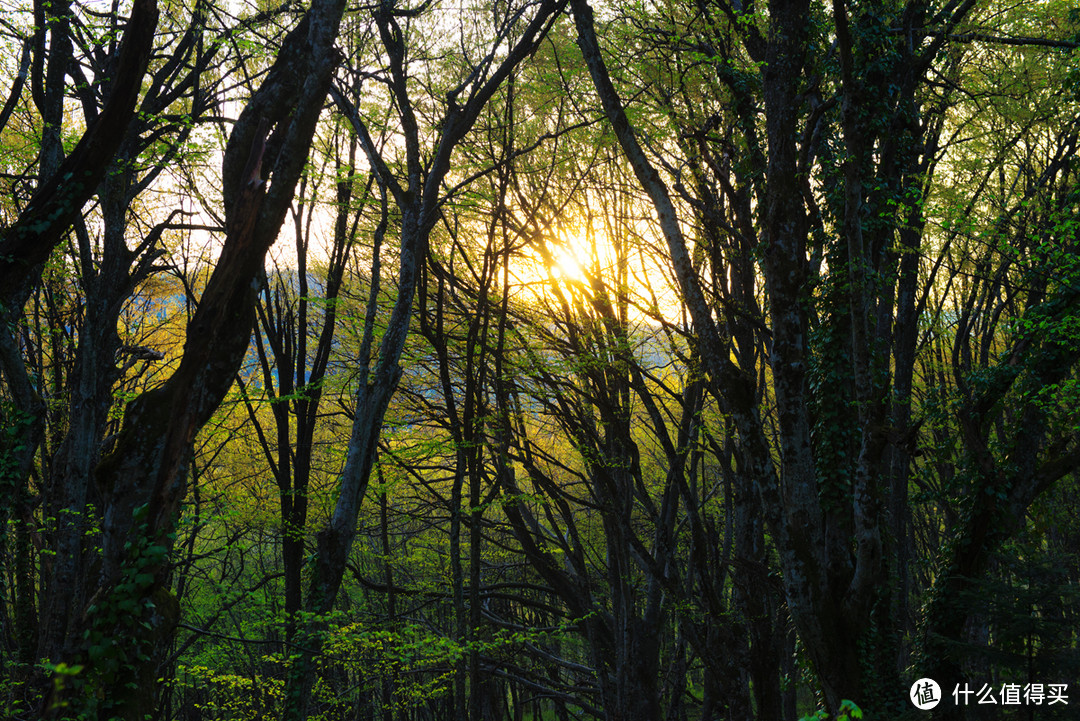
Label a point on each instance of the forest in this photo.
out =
(533, 360)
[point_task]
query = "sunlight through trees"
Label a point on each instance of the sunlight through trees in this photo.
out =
(536, 360)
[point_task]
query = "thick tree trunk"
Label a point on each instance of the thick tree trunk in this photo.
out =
(73, 578)
(67, 184)
(130, 620)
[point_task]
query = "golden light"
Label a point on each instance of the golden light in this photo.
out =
(580, 260)
(571, 256)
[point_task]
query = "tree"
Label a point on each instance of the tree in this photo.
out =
(841, 284)
(418, 196)
(142, 480)
(721, 366)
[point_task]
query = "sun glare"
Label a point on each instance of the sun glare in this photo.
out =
(576, 260)
(571, 257)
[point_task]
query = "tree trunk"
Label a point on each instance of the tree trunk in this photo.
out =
(130, 620)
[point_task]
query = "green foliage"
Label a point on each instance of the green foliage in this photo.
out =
(849, 711)
(222, 695)
(970, 174)
(124, 623)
